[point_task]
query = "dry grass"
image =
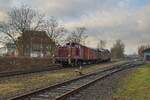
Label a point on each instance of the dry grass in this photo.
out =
(136, 86)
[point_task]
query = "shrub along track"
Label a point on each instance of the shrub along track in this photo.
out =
(65, 89)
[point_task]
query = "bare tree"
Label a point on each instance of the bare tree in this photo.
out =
(117, 50)
(8, 33)
(101, 44)
(20, 20)
(78, 35)
(142, 48)
(54, 30)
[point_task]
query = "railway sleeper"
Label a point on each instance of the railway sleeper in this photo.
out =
(75, 84)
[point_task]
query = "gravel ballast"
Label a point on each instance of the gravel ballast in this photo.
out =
(103, 89)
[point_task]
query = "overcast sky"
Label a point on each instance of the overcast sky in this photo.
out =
(128, 20)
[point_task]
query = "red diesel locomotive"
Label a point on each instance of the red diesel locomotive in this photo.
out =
(77, 54)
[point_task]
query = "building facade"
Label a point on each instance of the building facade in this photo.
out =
(147, 55)
(3, 51)
(35, 44)
(11, 49)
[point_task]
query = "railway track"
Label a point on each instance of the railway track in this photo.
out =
(65, 90)
(15, 73)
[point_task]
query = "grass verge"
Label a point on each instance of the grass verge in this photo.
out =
(136, 86)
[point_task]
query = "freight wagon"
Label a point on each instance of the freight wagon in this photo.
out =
(77, 54)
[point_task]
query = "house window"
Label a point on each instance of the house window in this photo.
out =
(36, 47)
(148, 57)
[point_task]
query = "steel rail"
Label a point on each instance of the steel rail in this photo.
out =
(32, 93)
(15, 73)
(22, 72)
(78, 89)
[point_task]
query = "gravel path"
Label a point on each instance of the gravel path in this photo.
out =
(104, 89)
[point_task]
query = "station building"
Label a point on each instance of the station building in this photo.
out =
(35, 44)
(146, 53)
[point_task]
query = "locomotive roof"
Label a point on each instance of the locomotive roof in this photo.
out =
(73, 44)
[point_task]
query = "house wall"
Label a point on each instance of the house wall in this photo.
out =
(147, 56)
(35, 44)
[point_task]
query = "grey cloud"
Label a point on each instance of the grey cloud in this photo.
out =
(70, 8)
(105, 19)
(123, 25)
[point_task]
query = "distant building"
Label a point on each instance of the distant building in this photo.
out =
(3, 51)
(35, 44)
(11, 49)
(146, 53)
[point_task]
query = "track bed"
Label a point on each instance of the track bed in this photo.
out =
(66, 89)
